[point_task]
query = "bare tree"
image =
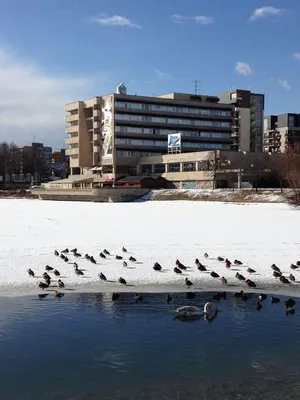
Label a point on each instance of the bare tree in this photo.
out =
(216, 164)
(289, 166)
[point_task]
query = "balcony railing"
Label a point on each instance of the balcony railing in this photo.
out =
(72, 152)
(72, 140)
(72, 129)
(72, 118)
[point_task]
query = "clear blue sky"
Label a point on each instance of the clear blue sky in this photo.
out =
(56, 51)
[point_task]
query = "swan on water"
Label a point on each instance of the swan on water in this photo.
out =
(208, 311)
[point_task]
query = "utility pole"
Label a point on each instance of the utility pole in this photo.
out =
(196, 86)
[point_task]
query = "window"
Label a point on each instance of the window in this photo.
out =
(291, 121)
(203, 165)
(174, 167)
(132, 170)
(159, 168)
(188, 167)
(146, 169)
(107, 169)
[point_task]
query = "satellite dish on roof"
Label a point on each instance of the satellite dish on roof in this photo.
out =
(121, 89)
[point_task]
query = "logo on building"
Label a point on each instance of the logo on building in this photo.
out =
(174, 140)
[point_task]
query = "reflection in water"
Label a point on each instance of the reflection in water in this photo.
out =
(89, 347)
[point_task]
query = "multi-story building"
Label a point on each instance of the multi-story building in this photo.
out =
(110, 133)
(281, 132)
(250, 108)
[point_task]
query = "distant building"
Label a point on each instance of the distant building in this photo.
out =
(110, 133)
(250, 107)
(281, 132)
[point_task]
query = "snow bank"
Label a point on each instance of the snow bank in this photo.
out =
(257, 234)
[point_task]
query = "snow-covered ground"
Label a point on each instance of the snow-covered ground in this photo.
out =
(257, 234)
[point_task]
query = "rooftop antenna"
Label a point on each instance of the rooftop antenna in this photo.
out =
(196, 86)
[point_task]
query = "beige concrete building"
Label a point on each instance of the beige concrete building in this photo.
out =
(281, 132)
(110, 133)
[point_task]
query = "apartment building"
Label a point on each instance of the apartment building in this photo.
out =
(110, 133)
(281, 132)
(250, 108)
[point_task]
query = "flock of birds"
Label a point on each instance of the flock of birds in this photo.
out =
(68, 256)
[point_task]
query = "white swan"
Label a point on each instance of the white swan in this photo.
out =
(189, 311)
(209, 310)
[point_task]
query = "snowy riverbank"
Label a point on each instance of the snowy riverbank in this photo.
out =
(257, 234)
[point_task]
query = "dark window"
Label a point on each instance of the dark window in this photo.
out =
(159, 168)
(107, 169)
(188, 167)
(146, 169)
(203, 165)
(132, 171)
(174, 167)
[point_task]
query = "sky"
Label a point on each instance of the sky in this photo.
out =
(59, 51)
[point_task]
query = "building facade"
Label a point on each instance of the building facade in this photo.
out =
(110, 133)
(250, 108)
(281, 132)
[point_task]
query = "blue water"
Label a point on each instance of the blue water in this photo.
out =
(84, 346)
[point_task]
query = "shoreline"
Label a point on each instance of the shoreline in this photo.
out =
(24, 290)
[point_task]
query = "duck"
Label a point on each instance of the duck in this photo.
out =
(60, 284)
(124, 250)
(48, 281)
(102, 276)
(106, 252)
(58, 294)
(119, 257)
(262, 297)
(240, 277)
(65, 251)
(102, 255)
(177, 270)
(220, 258)
(290, 311)
(275, 300)
(293, 266)
(30, 272)
(197, 262)
(56, 253)
(77, 255)
(277, 274)
(87, 257)
(43, 285)
(251, 271)
(258, 306)
(48, 268)
(284, 280)
(132, 259)
(216, 297)
(245, 297)
(250, 283)
(124, 264)
(290, 303)
(74, 250)
(75, 265)
(214, 274)
(206, 255)
(275, 268)
(122, 281)
(62, 256)
(190, 295)
(115, 296)
(298, 263)
(157, 267)
(224, 280)
(201, 268)
(181, 266)
(78, 272)
(66, 259)
(92, 260)
(56, 273)
(138, 298)
(188, 282)
(46, 276)
(292, 278)
(168, 299)
(237, 262)
(43, 295)
(228, 263)
(239, 295)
